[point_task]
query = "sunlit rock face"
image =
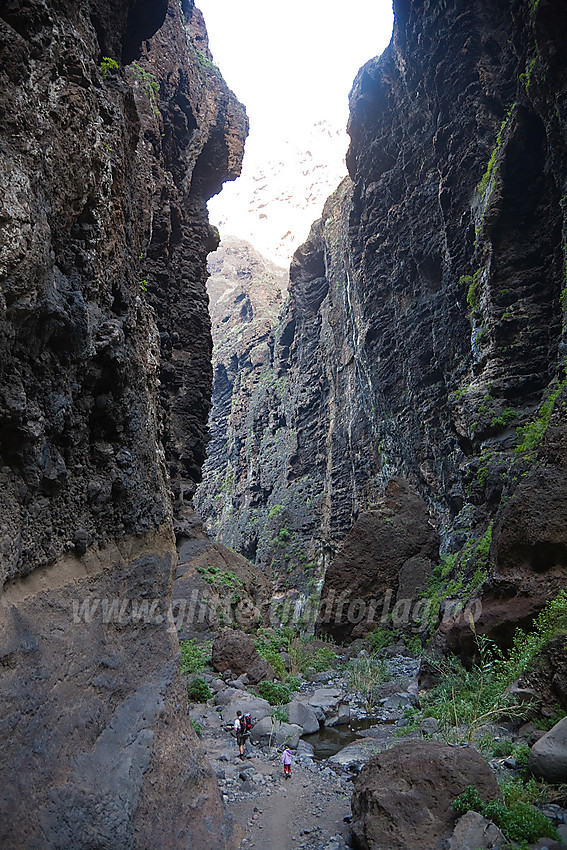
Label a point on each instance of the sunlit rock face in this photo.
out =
(425, 320)
(115, 130)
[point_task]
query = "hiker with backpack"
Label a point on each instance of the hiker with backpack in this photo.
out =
(242, 726)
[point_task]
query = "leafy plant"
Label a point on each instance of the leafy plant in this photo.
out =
(519, 821)
(469, 698)
(275, 692)
(107, 66)
(197, 727)
(194, 656)
(198, 690)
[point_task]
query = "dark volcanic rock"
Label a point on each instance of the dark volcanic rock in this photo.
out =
(215, 587)
(425, 324)
(365, 570)
(235, 651)
(105, 173)
(402, 797)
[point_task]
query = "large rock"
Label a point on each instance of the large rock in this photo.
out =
(353, 757)
(104, 395)
(402, 797)
(235, 651)
(474, 831)
(246, 703)
(304, 716)
(326, 699)
(548, 756)
(268, 732)
(214, 585)
(367, 564)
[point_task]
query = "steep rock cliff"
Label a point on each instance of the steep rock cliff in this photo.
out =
(115, 128)
(425, 324)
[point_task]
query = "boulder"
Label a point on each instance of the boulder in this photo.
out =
(473, 830)
(247, 704)
(354, 756)
(327, 699)
(548, 756)
(402, 797)
(235, 651)
(303, 715)
(340, 717)
(265, 732)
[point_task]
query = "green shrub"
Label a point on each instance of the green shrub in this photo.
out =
(275, 692)
(198, 690)
(522, 754)
(518, 821)
(304, 657)
(194, 656)
(379, 638)
(502, 749)
(197, 727)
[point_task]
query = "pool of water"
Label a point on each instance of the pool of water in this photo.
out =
(330, 739)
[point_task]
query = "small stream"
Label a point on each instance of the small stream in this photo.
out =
(330, 739)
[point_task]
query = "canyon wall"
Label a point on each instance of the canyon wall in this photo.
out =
(414, 402)
(115, 129)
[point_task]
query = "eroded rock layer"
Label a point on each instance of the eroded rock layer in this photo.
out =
(425, 325)
(115, 129)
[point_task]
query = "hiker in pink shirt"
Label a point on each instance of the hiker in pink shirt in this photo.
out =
(286, 761)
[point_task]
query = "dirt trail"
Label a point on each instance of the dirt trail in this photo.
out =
(304, 811)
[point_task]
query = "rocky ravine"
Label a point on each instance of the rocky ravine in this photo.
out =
(107, 164)
(424, 328)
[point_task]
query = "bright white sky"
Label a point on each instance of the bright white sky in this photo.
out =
(292, 64)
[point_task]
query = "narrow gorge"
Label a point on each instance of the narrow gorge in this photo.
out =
(407, 408)
(376, 443)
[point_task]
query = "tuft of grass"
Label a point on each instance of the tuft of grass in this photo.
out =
(364, 675)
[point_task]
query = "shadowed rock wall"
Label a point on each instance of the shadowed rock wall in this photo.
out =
(425, 324)
(105, 344)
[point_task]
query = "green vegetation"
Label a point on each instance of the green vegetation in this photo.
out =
(144, 285)
(490, 168)
(460, 574)
(275, 692)
(198, 690)
(304, 657)
(221, 578)
(150, 83)
(526, 78)
(466, 699)
(508, 415)
(364, 675)
(197, 727)
(531, 435)
(275, 510)
(108, 66)
(518, 820)
(194, 656)
(379, 638)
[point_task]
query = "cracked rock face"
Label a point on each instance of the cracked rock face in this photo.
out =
(425, 325)
(105, 346)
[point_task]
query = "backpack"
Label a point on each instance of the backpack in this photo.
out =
(245, 724)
